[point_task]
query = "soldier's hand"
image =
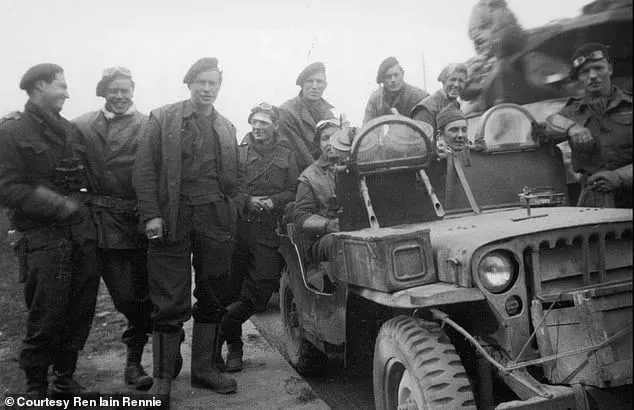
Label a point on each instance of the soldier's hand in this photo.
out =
(332, 226)
(581, 138)
(256, 204)
(604, 181)
(154, 228)
(268, 204)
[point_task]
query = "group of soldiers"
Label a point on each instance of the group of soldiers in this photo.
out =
(139, 200)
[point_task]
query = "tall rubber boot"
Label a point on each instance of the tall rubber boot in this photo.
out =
(63, 370)
(165, 352)
(134, 374)
(179, 356)
(204, 371)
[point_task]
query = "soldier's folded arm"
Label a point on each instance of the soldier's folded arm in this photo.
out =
(146, 170)
(306, 219)
(16, 192)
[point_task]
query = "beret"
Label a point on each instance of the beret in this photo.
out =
(449, 69)
(317, 67)
(38, 72)
(204, 64)
(340, 140)
(583, 54)
(385, 65)
(449, 114)
(109, 74)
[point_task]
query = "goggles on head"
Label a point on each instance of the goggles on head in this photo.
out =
(265, 108)
(593, 56)
(331, 122)
(113, 71)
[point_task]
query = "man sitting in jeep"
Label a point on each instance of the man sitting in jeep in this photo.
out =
(316, 208)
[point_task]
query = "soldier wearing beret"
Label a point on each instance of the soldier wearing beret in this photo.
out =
(43, 183)
(189, 187)
(271, 178)
(453, 79)
(112, 136)
(598, 126)
(393, 92)
(299, 115)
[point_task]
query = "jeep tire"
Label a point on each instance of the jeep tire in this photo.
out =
(416, 366)
(302, 355)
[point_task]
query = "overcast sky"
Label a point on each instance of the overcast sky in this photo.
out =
(261, 45)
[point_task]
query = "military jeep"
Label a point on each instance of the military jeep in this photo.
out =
(465, 276)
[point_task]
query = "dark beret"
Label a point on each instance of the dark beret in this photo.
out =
(449, 114)
(385, 65)
(39, 72)
(204, 64)
(313, 68)
(585, 53)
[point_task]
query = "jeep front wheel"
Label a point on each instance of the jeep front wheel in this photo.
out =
(417, 367)
(302, 355)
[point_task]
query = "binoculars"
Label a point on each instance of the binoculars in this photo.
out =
(70, 176)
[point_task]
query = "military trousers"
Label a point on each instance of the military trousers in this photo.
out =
(124, 271)
(256, 263)
(60, 292)
(203, 241)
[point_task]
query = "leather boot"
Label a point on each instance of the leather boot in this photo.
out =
(36, 381)
(165, 352)
(134, 374)
(234, 357)
(204, 372)
(63, 370)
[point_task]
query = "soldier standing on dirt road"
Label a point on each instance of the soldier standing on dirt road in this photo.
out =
(189, 187)
(393, 93)
(43, 183)
(300, 115)
(599, 128)
(271, 178)
(111, 136)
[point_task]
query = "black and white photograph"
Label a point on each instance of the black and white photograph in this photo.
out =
(316, 204)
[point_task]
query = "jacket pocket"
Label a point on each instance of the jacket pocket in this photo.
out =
(36, 158)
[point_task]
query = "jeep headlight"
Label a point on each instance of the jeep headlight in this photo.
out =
(497, 271)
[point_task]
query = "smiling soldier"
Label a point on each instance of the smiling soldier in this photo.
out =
(271, 177)
(599, 128)
(453, 79)
(189, 189)
(394, 92)
(42, 179)
(111, 136)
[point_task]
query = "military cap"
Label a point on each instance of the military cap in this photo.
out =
(265, 108)
(449, 114)
(204, 64)
(449, 69)
(39, 72)
(341, 140)
(109, 74)
(317, 67)
(585, 53)
(385, 65)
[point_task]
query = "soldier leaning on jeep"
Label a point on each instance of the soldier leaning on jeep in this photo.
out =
(599, 127)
